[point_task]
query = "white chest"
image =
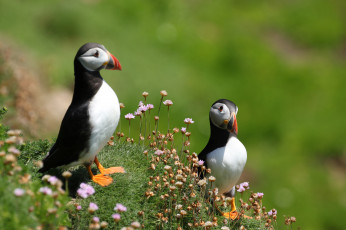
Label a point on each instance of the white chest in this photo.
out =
(227, 164)
(104, 113)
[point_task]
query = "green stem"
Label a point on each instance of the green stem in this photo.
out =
(158, 114)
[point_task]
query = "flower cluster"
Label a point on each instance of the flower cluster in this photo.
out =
(242, 187)
(184, 199)
(45, 201)
(85, 190)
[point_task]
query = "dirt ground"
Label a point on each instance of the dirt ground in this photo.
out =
(33, 105)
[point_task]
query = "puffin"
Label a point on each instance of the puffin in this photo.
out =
(224, 154)
(91, 118)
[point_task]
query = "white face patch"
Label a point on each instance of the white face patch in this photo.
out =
(219, 112)
(94, 59)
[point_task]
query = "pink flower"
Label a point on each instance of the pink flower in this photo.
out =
(138, 113)
(53, 180)
(120, 208)
(93, 207)
(272, 212)
(168, 102)
(129, 116)
(46, 191)
(241, 189)
(85, 190)
(183, 130)
(163, 93)
(159, 152)
(79, 207)
(140, 104)
(116, 217)
(245, 185)
(150, 106)
(13, 150)
(19, 192)
(82, 193)
(260, 195)
(95, 219)
(200, 162)
(188, 121)
(142, 108)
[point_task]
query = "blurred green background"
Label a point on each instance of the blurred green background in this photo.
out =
(281, 62)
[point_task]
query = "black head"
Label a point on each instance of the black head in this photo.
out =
(223, 115)
(94, 57)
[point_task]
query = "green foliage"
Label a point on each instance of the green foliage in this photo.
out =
(34, 150)
(133, 188)
(3, 129)
(23, 203)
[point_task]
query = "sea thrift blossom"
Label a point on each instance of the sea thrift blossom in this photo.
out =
(183, 130)
(79, 207)
(260, 195)
(200, 162)
(96, 219)
(163, 93)
(245, 185)
(202, 182)
(241, 189)
(67, 174)
(85, 190)
(53, 180)
(212, 179)
(145, 94)
(150, 106)
(135, 224)
(93, 207)
(19, 192)
(138, 113)
(129, 116)
(140, 103)
(159, 152)
(120, 208)
(168, 102)
(46, 177)
(116, 217)
(13, 150)
(188, 121)
(272, 212)
(142, 108)
(46, 191)
(208, 224)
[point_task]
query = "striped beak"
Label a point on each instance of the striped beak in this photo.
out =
(113, 63)
(232, 125)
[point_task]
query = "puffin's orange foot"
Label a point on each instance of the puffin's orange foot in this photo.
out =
(231, 215)
(102, 179)
(112, 170)
(234, 215)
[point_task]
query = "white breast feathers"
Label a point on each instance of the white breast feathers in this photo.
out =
(227, 164)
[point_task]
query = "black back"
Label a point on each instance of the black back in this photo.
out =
(218, 137)
(75, 129)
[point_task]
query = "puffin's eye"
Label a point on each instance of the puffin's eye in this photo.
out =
(96, 54)
(221, 108)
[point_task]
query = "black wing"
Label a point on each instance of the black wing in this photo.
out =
(73, 138)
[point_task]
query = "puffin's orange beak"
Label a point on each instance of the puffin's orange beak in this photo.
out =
(113, 63)
(232, 125)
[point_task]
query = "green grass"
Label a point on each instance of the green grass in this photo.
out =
(31, 208)
(127, 189)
